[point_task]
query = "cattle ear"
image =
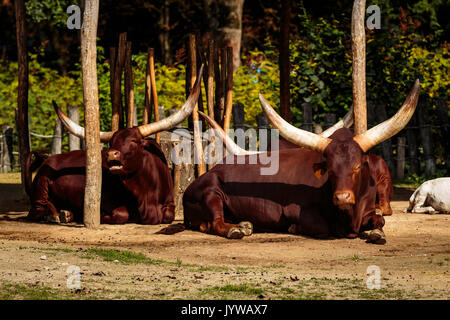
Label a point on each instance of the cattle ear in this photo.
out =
(319, 169)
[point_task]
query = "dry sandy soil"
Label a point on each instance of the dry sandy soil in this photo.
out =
(134, 262)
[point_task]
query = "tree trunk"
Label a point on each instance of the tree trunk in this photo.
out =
(163, 37)
(359, 66)
(22, 94)
(284, 64)
(92, 195)
(225, 22)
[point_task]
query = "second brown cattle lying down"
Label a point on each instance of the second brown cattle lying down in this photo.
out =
(324, 189)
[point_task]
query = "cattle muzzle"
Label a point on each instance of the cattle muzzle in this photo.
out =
(344, 199)
(114, 160)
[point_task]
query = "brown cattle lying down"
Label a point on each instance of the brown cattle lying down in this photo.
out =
(136, 181)
(324, 189)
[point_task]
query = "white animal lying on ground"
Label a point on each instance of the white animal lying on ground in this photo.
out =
(432, 196)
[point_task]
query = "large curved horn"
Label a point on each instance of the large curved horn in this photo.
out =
(76, 129)
(392, 126)
(346, 122)
(177, 117)
(229, 143)
(295, 135)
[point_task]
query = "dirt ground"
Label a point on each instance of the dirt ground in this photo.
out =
(134, 262)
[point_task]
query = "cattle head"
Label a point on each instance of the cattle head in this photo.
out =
(344, 154)
(127, 146)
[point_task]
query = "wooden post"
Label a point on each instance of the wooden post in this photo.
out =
(57, 137)
(74, 141)
(92, 193)
(425, 136)
(210, 82)
(117, 113)
(283, 61)
(229, 97)
(22, 93)
(307, 117)
(129, 89)
(112, 67)
(7, 149)
(238, 116)
(359, 66)
(146, 117)
(401, 144)
(198, 146)
(412, 145)
(223, 83)
(330, 120)
(218, 105)
(151, 53)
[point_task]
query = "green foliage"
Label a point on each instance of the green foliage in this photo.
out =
(259, 74)
(53, 11)
(321, 68)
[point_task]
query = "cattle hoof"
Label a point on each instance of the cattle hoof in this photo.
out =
(65, 216)
(376, 236)
(292, 229)
(53, 219)
(235, 233)
(364, 235)
(246, 227)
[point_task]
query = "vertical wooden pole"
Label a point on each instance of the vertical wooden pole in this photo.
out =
(154, 92)
(307, 117)
(218, 110)
(223, 82)
(411, 139)
(22, 93)
(401, 144)
(129, 88)
(7, 149)
(74, 141)
(57, 137)
(92, 193)
(117, 113)
(112, 67)
(148, 93)
(229, 98)
(210, 83)
(198, 146)
(425, 137)
(359, 66)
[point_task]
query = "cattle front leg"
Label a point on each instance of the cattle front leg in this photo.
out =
(372, 229)
(213, 205)
(118, 216)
